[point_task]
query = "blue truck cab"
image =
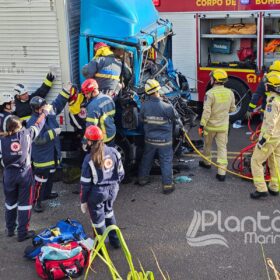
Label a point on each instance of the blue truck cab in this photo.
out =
(135, 27)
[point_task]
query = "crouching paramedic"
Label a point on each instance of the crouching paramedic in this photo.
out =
(7, 107)
(158, 118)
(100, 110)
(46, 151)
(219, 102)
(268, 147)
(22, 100)
(17, 176)
(102, 171)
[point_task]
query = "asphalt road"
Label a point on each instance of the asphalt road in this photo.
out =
(171, 226)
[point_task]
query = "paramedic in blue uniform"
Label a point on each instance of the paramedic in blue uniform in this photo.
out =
(7, 107)
(158, 118)
(102, 171)
(17, 176)
(100, 110)
(22, 97)
(46, 151)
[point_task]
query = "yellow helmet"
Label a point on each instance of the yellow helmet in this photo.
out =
(152, 86)
(219, 75)
(272, 80)
(275, 66)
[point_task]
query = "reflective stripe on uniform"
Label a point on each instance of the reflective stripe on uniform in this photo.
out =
(24, 208)
(64, 94)
(155, 120)
(48, 83)
(108, 139)
(222, 161)
(102, 124)
(85, 180)
(274, 179)
(41, 180)
(109, 215)
(92, 120)
(94, 172)
(100, 225)
(11, 207)
(25, 118)
(159, 143)
(52, 170)
(44, 164)
(51, 134)
(107, 76)
(258, 179)
(253, 106)
(221, 128)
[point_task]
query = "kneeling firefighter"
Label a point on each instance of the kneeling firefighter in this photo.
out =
(102, 171)
(158, 118)
(219, 102)
(268, 147)
(46, 151)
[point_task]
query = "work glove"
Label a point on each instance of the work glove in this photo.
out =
(57, 131)
(84, 207)
(201, 131)
(261, 143)
(50, 77)
(47, 109)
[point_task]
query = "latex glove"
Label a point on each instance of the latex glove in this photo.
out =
(201, 131)
(84, 207)
(261, 143)
(248, 115)
(47, 108)
(84, 147)
(57, 131)
(68, 87)
(50, 77)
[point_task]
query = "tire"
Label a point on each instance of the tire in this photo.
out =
(122, 146)
(242, 99)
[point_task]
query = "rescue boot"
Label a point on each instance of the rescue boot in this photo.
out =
(38, 207)
(220, 178)
(143, 181)
(52, 195)
(204, 165)
(258, 195)
(167, 189)
(115, 243)
(274, 193)
(10, 233)
(29, 234)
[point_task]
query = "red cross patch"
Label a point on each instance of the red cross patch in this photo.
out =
(15, 147)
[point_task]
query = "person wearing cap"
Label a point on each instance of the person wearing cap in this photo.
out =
(268, 145)
(22, 96)
(46, 151)
(105, 68)
(7, 107)
(214, 125)
(15, 147)
(261, 93)
(100, 110)
(102, 172)
(158, 118)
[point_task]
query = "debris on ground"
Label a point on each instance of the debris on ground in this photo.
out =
(182, 179)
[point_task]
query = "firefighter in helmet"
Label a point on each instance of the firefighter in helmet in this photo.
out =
(7, 107)
(158, 118)
(261, 93)
(102, 171)
(219, 102)
(100, 110)
(22, 97)
(105, 68)
(268, 146)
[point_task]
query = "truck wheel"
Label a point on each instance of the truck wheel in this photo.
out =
(122, 146)
(242, 99)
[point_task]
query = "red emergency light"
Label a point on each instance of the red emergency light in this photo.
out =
(156, 3)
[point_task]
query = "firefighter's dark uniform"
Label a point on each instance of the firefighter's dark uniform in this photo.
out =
(23, 109)
(46, 151)
(158, 118)
(3, 120)
(99, 189)
(101, 112)
(259, 94)
(18, 177)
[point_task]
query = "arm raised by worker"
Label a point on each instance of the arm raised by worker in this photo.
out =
(62, 99)
(207, 108)
(90, 69)
(44, 89)
(260, 93)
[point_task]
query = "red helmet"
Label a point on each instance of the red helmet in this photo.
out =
(93, 133)
(89, 86)
(100, 45)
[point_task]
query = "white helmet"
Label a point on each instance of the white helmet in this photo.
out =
(6, 97)
(20, 89)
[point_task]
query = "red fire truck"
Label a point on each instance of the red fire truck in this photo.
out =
(198, 48)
